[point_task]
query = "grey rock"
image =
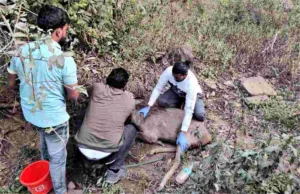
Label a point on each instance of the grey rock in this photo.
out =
(257, 86)
(211, 84)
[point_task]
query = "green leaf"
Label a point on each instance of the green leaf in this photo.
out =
(248, 153)
(81, 89)
(39, 105)
(49, 130)
(33, 110)
(52, 61)
(60, 61)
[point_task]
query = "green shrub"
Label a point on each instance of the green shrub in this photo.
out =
(281, 112)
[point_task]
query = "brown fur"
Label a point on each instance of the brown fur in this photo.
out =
(164, 125)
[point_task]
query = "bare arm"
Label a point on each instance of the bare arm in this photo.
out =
(12, 80)
(72, 93)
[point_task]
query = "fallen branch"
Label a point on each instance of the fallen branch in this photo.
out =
(144, 163)
(13, 105)
(11, 131)
(273, 42)
(8, 26)
(16, 119)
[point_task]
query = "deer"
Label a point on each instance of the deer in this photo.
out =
(163, 125)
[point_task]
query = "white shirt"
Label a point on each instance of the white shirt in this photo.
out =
(189, 86)
(93, 154)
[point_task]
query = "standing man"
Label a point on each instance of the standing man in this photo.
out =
(184, 89)
(42, 90)
(103, 134)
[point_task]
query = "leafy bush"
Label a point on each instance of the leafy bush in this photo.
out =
(230, 169)
(281, 112)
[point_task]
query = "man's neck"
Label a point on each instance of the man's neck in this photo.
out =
(54, 37)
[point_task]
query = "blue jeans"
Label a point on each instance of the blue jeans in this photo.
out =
(53, 147)
(170, 99)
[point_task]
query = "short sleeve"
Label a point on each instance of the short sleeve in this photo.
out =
(69, 71)
(12, 69)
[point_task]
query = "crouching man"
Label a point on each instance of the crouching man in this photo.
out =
(184, 89)
(103, 134)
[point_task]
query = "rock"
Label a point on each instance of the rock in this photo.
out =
(229, 84)
(71, 185)
(256, 100)
(256, 86)
(211, 84)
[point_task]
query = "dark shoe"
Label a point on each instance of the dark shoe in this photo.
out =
(112, 177)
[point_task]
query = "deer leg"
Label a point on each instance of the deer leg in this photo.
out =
(172, 170)
(162, 150)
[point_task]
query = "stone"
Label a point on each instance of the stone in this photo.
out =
(229, 83)
(256, 100)
(211, 84)
(71, 185)
(256, 86)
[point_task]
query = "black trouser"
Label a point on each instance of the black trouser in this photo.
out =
(171, 99)
(118, 157)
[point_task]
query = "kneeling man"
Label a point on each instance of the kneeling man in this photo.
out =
(103, 134)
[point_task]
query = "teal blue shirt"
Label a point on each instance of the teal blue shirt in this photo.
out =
(43, 99)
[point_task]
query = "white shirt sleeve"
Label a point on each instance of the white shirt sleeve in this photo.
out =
(189, 107)
(163, 80)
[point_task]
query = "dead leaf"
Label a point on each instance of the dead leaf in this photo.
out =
(95, 71)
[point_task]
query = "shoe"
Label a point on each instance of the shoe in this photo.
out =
(112, 177)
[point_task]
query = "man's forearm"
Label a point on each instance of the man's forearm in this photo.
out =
(155, 94)
(186, 122)
(12, 81)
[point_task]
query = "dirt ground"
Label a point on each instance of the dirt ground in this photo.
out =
(20, 147)
(19, 143)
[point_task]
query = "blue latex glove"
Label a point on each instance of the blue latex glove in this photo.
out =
(145, 111)
(182, 141)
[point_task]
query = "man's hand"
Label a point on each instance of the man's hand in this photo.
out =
(73, 94)
(182, 141)
(145, 111)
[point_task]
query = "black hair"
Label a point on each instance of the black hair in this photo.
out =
(51, 17)
(181, 68)
(118, 78)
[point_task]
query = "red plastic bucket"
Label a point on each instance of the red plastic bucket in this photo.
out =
(36, 177)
